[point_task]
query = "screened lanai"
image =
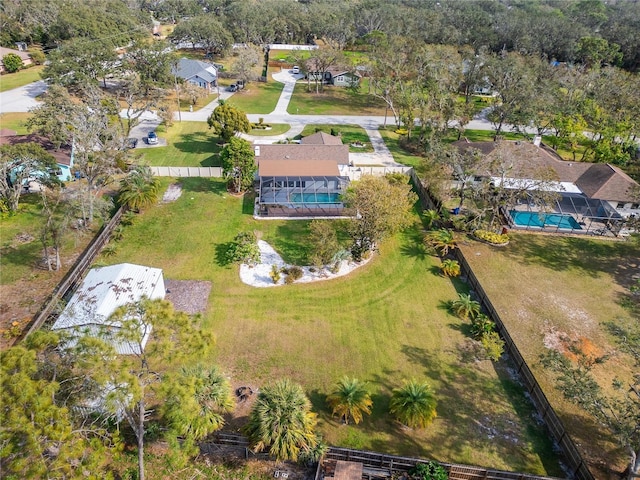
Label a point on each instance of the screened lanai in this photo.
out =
(301, 188)
(571, 213)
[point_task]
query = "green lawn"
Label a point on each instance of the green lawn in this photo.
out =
(383, 323)
(189, 144)
(15, 121)
(201, 102)
(349, 134)
(10, 81)
(546, 286)
(334, 101)
(400, 155)
(276, 129)
(257, 97)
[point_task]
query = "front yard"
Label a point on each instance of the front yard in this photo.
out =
(257, 97)
(384, 323)
(9, 81)
(334, 101)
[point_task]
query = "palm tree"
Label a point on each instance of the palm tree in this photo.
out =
(414, 404)
(482, 325)
(442, 240)
(139, 189)
(200, 396)
(450, 268)
(465, 307)
(282, 421)
(431, 218)
(350, 399)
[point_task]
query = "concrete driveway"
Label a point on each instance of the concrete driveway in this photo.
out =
(22, 99)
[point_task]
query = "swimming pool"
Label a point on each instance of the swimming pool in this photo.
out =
(539, 219)
(314, 198)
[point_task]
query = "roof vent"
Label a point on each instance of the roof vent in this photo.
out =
(257, 150)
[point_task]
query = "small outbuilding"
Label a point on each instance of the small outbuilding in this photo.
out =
(104, 290)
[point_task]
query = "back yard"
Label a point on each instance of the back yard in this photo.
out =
(551, 289)
(384, 323)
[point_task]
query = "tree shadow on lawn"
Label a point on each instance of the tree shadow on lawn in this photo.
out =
(290, 242)
(221, 250)
(198, 142)
(202, 184)
(464, 394)
(591, 257)
(28, 254)
(248, 203)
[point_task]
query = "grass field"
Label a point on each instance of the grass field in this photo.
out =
(334, 101)
(15, 121)
(9, 81)
(349, 134)
(384, 323)
(189, 144)
(257, 97)
(544, 286)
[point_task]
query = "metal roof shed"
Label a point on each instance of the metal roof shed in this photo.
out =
(102, 292)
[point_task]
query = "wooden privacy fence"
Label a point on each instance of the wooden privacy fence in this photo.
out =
(376, 465)
(81, 265)
(208, 172)
(426, 201)
(573, 458)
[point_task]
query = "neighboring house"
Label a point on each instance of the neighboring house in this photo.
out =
(101, 293)
(337, 76)
(26, 59)
(305, 179)
(63, 156)
(198, 73)
(597, 191)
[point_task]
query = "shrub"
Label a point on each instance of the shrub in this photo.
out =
(493, 345)
(429, 471)
(295, 273)
(482, 325)
(450, 268)
(275, 273)
(491, 237)
(244, 249)
(38, 57)
(12, 62)
(402, 131)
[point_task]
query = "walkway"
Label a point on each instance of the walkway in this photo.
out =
(22, 99)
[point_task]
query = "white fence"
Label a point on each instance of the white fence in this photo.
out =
(355, 173)
(187, 171)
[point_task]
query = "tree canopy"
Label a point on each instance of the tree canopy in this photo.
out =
(238, 164)
(226, 121)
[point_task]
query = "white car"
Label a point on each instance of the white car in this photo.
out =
(295, 70)
(152, 138)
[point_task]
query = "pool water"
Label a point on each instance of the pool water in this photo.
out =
(315, 198)
(535, 219)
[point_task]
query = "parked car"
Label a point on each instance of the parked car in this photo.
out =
(152, 138)
(296, 69)
(232, 88)
(131, 142)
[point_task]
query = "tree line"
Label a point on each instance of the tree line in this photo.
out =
(555, 29)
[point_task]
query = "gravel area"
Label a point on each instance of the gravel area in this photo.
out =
(173, 193)
(189, 296)
(258, 275)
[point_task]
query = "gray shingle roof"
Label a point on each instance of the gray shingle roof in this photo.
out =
(188, 68)
(321, 138)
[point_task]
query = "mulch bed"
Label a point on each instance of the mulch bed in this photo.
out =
(189, 296)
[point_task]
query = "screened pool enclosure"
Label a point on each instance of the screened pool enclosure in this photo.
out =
(301, 195)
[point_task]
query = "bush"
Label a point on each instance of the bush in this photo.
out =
(275, 273)
(295, 273)
(38, 57)
(491, 237)
(335, 132)
(429, 471)
(12, 62)
(244, 249)
(493, 345)
(402, 131)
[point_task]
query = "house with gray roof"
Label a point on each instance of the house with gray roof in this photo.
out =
(589, 192)
(305, 179)
(196, 72)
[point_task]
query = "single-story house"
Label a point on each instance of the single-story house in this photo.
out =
(305, 179)
(202, 74)
(338, 76)
(26, 58)
(104, 290)
(594, 190)
(63, 155)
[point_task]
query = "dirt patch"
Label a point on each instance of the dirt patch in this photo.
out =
(173, 193)
(189, 296)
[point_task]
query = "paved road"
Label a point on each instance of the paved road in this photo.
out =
(22, 99)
